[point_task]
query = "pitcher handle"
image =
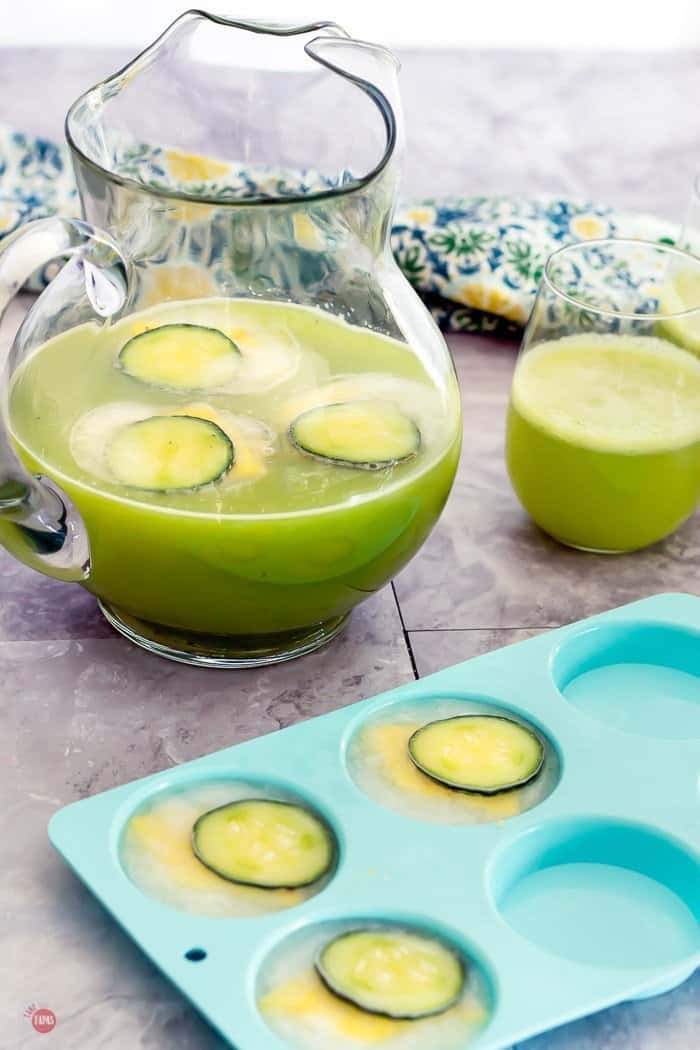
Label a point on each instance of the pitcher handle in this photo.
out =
(39, 524)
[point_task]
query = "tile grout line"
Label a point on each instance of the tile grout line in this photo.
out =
(406, 636)
(455, 630)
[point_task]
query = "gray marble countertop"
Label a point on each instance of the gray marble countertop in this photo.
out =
(82, 710)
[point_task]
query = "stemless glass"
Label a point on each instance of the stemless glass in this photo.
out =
(603, 432)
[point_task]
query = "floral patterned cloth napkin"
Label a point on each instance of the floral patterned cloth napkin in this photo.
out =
(475, 260)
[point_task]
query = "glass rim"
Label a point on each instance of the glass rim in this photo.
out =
(631, 242)
(111, 82)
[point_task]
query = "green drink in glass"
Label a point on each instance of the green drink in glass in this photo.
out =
(603, 432)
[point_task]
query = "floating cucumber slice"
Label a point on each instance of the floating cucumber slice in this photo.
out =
(181, 357)
(480, 753)
(165, 453)
(254, 442)
(365, 434)
(264, 843)
(392, 971)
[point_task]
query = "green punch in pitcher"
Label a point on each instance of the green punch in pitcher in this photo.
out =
(229, 416)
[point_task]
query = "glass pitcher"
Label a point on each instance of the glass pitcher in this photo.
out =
(229, 416)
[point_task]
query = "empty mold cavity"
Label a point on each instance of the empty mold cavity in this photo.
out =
(642, 678)
(156, 851)
(377, 760)
(298, 1007)
(601, 893)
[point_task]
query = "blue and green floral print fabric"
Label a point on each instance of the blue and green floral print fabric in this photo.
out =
(476, 261)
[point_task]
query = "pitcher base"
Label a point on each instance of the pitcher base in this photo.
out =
(220, 650)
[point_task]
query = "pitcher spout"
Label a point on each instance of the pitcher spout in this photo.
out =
(292, 112)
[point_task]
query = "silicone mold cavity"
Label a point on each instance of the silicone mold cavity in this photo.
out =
(289, 966)
(602, 893)
(156, 855)
(642, 678)
(377, 761)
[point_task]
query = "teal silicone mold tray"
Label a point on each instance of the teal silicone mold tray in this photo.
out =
(586, 893)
